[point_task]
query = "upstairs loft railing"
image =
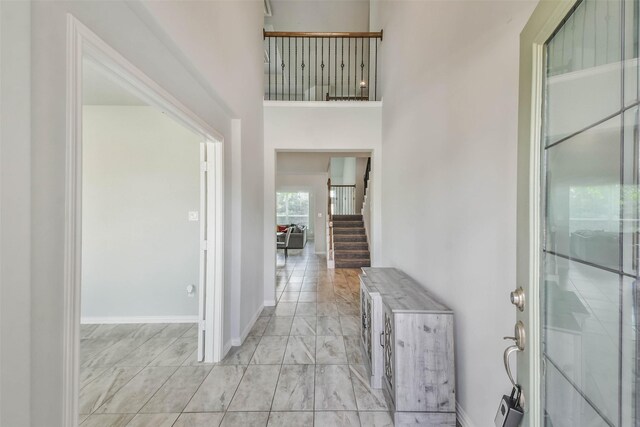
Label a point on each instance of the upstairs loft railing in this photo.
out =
(304, 66)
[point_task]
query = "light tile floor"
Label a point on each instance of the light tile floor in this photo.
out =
(301, 364)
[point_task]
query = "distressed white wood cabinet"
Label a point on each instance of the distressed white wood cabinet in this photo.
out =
(371, 331)
(407, 337)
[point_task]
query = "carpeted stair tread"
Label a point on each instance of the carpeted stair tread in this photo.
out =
(353, 263)
(348, 230)
(351, 249)
(352, 254)
(347, 217)
(345, 246)
(346, 224)
(349, 238)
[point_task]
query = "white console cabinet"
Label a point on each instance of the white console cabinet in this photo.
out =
(407, 338)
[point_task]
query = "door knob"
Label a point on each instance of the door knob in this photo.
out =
(517, 298)
(520, 337)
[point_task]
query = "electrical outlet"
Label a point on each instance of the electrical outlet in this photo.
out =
(193, 215)
(191, 290)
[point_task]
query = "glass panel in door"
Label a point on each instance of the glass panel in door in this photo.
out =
(590, 213)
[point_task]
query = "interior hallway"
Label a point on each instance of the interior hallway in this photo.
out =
(301, 364)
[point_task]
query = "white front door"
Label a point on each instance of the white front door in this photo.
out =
(578, 211)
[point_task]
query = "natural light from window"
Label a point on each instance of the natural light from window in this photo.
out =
(293, 208)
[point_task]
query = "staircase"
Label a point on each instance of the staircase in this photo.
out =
(350, 242)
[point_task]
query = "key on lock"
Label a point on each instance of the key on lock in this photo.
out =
(510, 413)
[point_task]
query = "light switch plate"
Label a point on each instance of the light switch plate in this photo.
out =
(193, 215)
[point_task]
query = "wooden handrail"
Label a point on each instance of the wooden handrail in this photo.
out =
(345, 34)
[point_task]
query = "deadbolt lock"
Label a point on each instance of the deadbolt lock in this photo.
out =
(517, 298)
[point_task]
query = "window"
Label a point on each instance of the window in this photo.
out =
(293, 208)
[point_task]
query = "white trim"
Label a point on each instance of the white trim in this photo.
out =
(227, 347)
(138, 319)
(270, 303)
(267, 7)
(82, 43)
(328, 104)
(239, 340)
(73, 227)
(463, 419)
(137, 82)
(534, 321)
(215, 233)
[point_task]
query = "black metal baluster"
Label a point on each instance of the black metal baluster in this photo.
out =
(269, 65)
(361, 67)
(289, 38)
(328, 70)
(369, 69)
(342, 68)
(322, 64)
(335, 68)
(349, 68)
(309, 65)
(296, 73)
(355, 70)
(282, 56)
(315, 67)
(303, 69)
(375, 92)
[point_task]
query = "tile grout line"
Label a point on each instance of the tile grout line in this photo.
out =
(115, 367)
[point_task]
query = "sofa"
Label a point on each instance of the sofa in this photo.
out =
(298, 237)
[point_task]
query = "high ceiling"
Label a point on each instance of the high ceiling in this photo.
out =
(318, 15)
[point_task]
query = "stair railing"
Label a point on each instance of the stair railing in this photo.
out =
(366, 204)
(366, 175)
(312, 66)
(330, 260)
(344, 199)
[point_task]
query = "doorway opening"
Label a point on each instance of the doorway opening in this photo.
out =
(144, 242)
(322, 210)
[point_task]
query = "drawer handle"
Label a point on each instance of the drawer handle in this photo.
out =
(382, 339)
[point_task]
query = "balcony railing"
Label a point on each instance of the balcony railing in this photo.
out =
(301, 66)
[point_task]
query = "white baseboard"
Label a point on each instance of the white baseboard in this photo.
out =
(269, 303)
(139, 319)
(239, 340)
(463, 418)
(225, 350)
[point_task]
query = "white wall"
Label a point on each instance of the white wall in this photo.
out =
(223, 41)
(15, 218)
(319, 15)
(139, 250)
(128, 28)
(316, 185)
(449, 82)
(315, 126)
